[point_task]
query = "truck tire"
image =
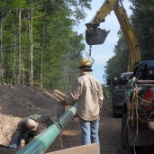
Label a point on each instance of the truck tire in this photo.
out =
(114, 109)
(114, 112)
(124, 131)
(124, 135)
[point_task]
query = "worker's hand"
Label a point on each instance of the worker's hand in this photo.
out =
(22, 143)
(100, 112)
(63, 102)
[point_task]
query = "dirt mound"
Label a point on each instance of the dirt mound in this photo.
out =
(20, 101)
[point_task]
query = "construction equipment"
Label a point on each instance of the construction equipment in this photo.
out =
(137, 96)
(41, 143)
(95, 36)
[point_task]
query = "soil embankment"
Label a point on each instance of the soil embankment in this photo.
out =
(20, 101)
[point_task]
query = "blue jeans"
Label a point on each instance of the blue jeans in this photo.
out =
(15, 141)
(90, 131)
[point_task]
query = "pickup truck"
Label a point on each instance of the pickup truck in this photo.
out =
(119, 92)
(138, 110)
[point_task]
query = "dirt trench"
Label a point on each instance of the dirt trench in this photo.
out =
(19, 101)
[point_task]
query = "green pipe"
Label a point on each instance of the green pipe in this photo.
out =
(41, 143)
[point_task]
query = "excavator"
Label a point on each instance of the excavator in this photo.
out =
(96, 36)
(136, 99)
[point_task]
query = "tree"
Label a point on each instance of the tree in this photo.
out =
(143, 21)
(38, 43)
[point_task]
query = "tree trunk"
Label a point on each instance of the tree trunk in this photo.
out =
(43, 41)
(19, 46)
(31, 72)
(1, 49)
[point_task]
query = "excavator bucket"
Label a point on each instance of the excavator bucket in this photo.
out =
(96, 36)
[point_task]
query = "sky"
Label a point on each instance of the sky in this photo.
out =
(103, 52)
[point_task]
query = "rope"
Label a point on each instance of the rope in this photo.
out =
(137, 126)
(132, 88)
(136, 97)
(135, 92)
(54, 120)
(132, 115)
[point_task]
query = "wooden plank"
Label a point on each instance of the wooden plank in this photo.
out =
(84, 149)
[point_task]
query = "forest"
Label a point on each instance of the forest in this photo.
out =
(38, 45)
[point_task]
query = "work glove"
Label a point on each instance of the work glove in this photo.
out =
(63, 103)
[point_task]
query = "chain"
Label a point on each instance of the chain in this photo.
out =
(90, 49)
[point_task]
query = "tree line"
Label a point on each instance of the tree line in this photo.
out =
(38, 45)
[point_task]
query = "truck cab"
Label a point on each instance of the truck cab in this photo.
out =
(119, 88)
(138, 111)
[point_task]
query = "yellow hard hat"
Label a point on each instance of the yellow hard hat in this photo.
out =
(85, 62)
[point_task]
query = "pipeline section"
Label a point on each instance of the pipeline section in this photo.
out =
(41, 143)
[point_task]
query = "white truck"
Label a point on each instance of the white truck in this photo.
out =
(119, 89)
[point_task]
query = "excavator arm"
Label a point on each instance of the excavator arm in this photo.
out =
(105, 9)
(95, 35)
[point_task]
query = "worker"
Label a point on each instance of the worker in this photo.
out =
(88, 92)
(28, 128)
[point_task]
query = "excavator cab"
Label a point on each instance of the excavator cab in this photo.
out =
(95, 35)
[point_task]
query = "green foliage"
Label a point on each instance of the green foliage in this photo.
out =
(45, 39)
(143, 21)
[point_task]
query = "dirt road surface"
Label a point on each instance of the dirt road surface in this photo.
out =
(109, 132)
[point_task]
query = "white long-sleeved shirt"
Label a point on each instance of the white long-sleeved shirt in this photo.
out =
(88, 92)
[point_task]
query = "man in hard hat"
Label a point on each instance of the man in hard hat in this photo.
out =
(88, 92)
(28, 128)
